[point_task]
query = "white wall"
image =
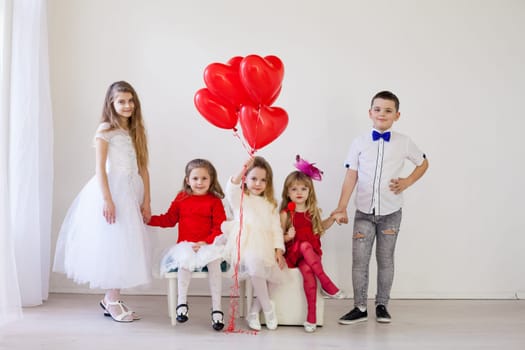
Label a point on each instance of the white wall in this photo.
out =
(457, 67)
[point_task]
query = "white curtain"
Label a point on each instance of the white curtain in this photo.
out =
(10, 305)
(27, 152)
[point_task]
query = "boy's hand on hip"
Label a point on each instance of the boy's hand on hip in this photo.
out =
(399, 185)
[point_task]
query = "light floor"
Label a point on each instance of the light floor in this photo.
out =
(74, 321)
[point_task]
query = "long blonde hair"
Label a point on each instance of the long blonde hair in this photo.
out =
(268, 194)
(215, 187)
(311, 202)
(135, 123)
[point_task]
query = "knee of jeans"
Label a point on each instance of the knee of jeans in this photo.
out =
(358, 235)
(389, 231)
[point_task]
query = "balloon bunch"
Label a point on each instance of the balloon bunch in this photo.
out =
(242, 91)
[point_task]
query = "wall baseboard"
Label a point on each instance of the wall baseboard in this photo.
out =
(520, 294)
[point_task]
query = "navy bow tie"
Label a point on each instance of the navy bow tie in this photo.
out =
(377, 135)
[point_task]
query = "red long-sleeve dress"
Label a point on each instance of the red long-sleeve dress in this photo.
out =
(199, 219)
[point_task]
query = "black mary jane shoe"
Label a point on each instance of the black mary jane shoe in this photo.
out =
(217, 324)
(182, 315)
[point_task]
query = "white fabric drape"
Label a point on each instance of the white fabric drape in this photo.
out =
(10, 305)
(29, 147)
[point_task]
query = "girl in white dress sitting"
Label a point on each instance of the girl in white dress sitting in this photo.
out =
(261, 238)
(103, 237)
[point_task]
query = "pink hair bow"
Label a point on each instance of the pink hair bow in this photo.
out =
(308, 168)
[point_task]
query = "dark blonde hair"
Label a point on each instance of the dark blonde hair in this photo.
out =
(215, 187)
(268, 194)
(135, 123)
(311, 201)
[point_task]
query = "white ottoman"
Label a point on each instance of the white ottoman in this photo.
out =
(290, 301)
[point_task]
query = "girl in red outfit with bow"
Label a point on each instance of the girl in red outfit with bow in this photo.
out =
(199, 211)
(301, 221)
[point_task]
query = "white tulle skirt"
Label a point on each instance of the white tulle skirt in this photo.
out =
(107, 256)
(182, 255)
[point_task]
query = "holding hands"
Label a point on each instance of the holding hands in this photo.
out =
(109, 212)
(340, 216)
(396, 185)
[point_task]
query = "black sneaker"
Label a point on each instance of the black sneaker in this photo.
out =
(382, 315)
(354, 316)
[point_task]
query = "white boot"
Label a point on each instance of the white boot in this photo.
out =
(253, 321)
(271, 318)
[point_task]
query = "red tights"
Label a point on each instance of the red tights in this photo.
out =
(311, 267)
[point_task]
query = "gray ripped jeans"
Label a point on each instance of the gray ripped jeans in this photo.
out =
(384, 229)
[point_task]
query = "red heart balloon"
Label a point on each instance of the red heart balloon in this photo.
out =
(260, 127)
(262, 77)
(215, 110)
(274, 97)
(224, 81)
(235, 61)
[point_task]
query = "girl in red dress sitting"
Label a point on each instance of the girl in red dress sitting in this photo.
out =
(199, 211)
(302, 224)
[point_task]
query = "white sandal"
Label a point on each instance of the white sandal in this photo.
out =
(125, 311)
(136, 316)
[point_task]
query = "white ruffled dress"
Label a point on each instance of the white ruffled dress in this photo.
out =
(261, 234)
(89, 250)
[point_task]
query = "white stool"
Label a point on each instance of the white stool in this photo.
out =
(289, 299)
(173, 290)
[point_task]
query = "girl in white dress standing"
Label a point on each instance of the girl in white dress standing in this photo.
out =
(103, 238)
(261, 242)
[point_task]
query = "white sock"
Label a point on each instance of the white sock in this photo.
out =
(215, 282)
(184, 278)
(260, 289)
(256, 306)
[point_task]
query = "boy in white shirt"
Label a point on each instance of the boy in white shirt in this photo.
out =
(374, 163)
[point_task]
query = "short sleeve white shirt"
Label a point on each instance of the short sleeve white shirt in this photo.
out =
(376, 163)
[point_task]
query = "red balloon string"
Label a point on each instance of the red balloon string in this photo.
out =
(234, 292)
(249, 150)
